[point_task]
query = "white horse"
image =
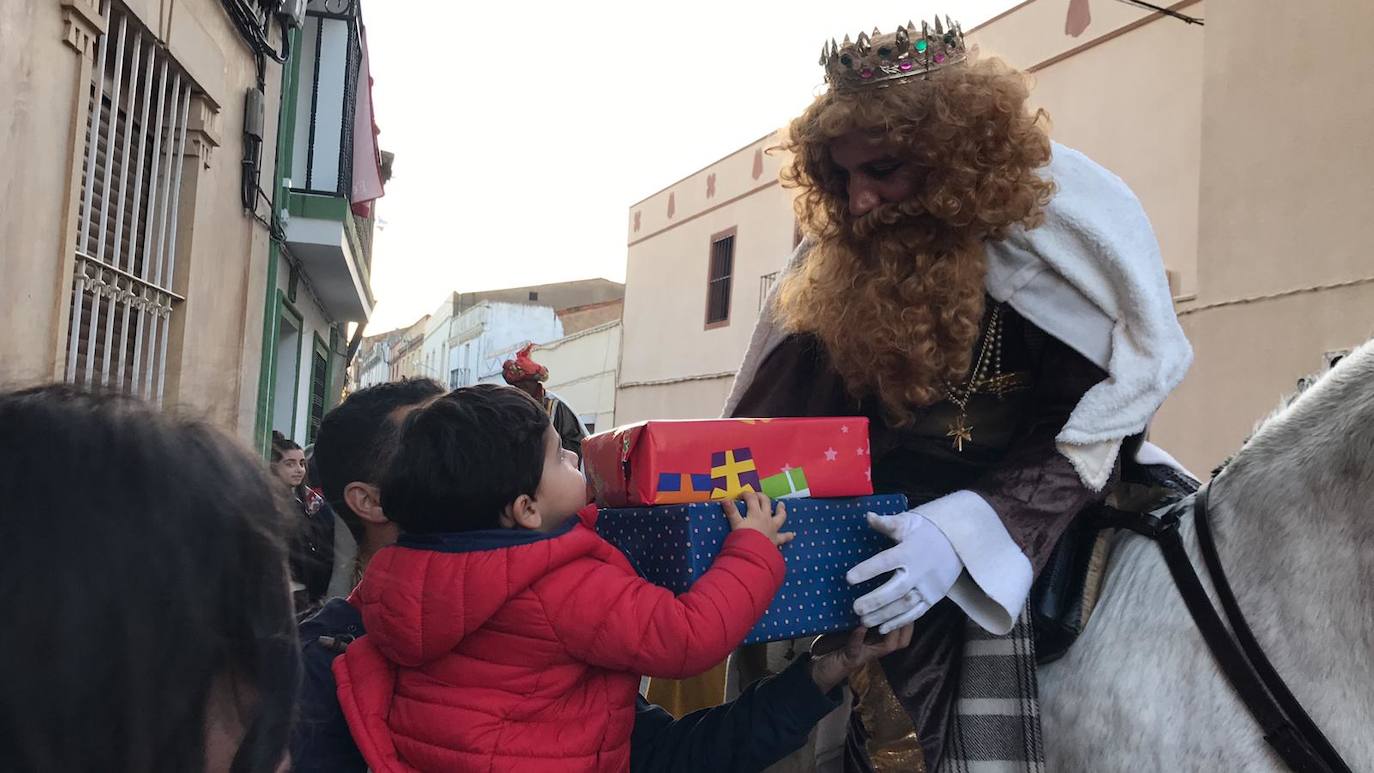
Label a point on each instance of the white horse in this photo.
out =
(1293, 515)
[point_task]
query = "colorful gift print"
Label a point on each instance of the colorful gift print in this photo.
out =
(669, 462)
(733, 473)
(786, 485)
(678, 487)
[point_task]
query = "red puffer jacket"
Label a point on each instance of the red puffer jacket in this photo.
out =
(512, 650)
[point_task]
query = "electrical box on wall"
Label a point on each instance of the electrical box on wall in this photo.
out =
(253, 114)
(293, 11)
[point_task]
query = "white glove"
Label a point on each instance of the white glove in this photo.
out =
(924, 567)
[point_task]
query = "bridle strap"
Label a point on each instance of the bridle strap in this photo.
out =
(1304, 731)
(1287, 728)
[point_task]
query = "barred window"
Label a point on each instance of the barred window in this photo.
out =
(126, 249)
(718, 283)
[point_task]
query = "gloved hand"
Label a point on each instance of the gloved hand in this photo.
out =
(924, 567)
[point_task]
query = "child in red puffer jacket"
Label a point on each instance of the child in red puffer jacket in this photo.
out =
(503, 634)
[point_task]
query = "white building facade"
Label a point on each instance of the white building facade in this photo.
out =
(488, 333)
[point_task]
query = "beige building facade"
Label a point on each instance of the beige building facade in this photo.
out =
(677, 360)
(129, 261)
(1263, 214)
(1286, 202)
(582, 372)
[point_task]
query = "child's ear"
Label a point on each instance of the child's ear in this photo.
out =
(521, 514)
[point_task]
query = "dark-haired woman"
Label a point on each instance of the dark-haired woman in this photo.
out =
(148, 626)
(312, 528)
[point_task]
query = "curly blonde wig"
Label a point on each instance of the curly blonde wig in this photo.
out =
(896, 296)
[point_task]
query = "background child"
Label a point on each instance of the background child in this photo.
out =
(503, 633)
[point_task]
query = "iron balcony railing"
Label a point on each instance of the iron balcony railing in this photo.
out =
(331, 51)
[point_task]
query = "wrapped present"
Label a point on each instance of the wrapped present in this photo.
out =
(676, 462)
(673, 545)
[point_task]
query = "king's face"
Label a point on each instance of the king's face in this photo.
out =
(873, 171)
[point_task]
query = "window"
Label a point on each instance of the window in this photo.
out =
(126, 250)
(331, 57)
(718, 281)
(287, 370)
(534, 295)
(319, 385)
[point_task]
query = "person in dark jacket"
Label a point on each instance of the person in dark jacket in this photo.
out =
(312, 533)
(762, 725)
(523, 373)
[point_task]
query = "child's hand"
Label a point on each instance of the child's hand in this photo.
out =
(757, 516)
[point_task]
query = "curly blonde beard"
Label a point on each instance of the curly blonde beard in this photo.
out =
(896, 295)
(897, 311)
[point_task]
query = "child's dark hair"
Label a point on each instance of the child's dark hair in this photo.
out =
(281, 444)
(144, 578)
(463, 458)
(356, 439)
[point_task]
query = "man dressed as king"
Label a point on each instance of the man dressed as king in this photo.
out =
(997, 306)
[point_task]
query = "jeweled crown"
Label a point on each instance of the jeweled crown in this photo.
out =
(881, 59)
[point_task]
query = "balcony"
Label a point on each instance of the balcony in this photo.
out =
(332, 244)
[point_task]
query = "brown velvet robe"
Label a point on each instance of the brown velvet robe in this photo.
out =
(1012, 462)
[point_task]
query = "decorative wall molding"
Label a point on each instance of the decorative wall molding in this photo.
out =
(82, 24)
(202, 129)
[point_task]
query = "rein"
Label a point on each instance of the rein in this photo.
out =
(1286, 725)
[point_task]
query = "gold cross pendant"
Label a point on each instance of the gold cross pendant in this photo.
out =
(961, 432)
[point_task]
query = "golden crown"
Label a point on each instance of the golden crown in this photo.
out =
(882, 59)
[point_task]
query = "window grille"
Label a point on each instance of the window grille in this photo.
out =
(766, 283)
(331, 57)
(126, 249)
(718, 282)
(319, 373)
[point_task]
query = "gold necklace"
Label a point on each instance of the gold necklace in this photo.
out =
(985, 378)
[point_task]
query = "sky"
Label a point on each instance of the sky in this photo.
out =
(523, 131)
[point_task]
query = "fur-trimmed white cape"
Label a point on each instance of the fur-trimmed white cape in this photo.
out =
(1091, 275)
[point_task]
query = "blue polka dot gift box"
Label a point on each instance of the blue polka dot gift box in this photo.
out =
(673, 545)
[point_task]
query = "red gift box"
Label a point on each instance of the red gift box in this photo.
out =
(674, 462)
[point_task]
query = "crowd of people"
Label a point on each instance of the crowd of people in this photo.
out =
(505, 635)
(993, 302)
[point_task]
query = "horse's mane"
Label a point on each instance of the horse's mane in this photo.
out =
(1319, 430)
